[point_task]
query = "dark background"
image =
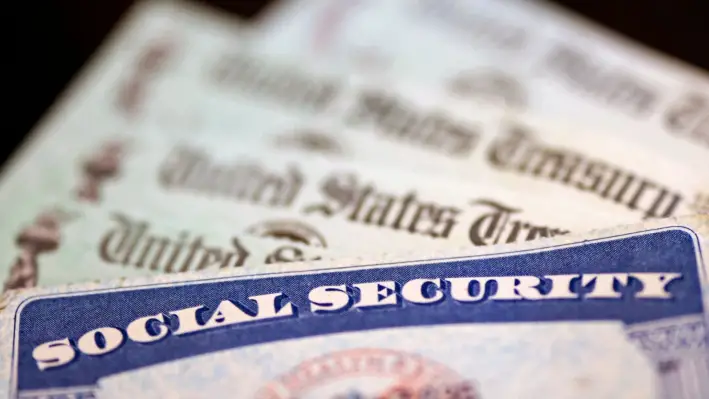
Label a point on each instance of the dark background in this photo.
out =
(53, 38)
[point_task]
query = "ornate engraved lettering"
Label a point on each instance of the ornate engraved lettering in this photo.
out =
(396, 119)
(190, 169)
(498, 226)
(269, 80)
(517, 150)
(131, 243)
(611, 86)
(365, 204)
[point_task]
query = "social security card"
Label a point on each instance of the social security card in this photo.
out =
(649, 279)
(482, 360)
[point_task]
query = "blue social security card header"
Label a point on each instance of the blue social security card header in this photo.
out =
(651, 278)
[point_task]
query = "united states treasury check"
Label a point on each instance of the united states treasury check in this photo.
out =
(587, 173)
(650, 278)
(406, 126)
(198, 85)
(193, 206)
(517, 53)
(201, 81)
(215, 98)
